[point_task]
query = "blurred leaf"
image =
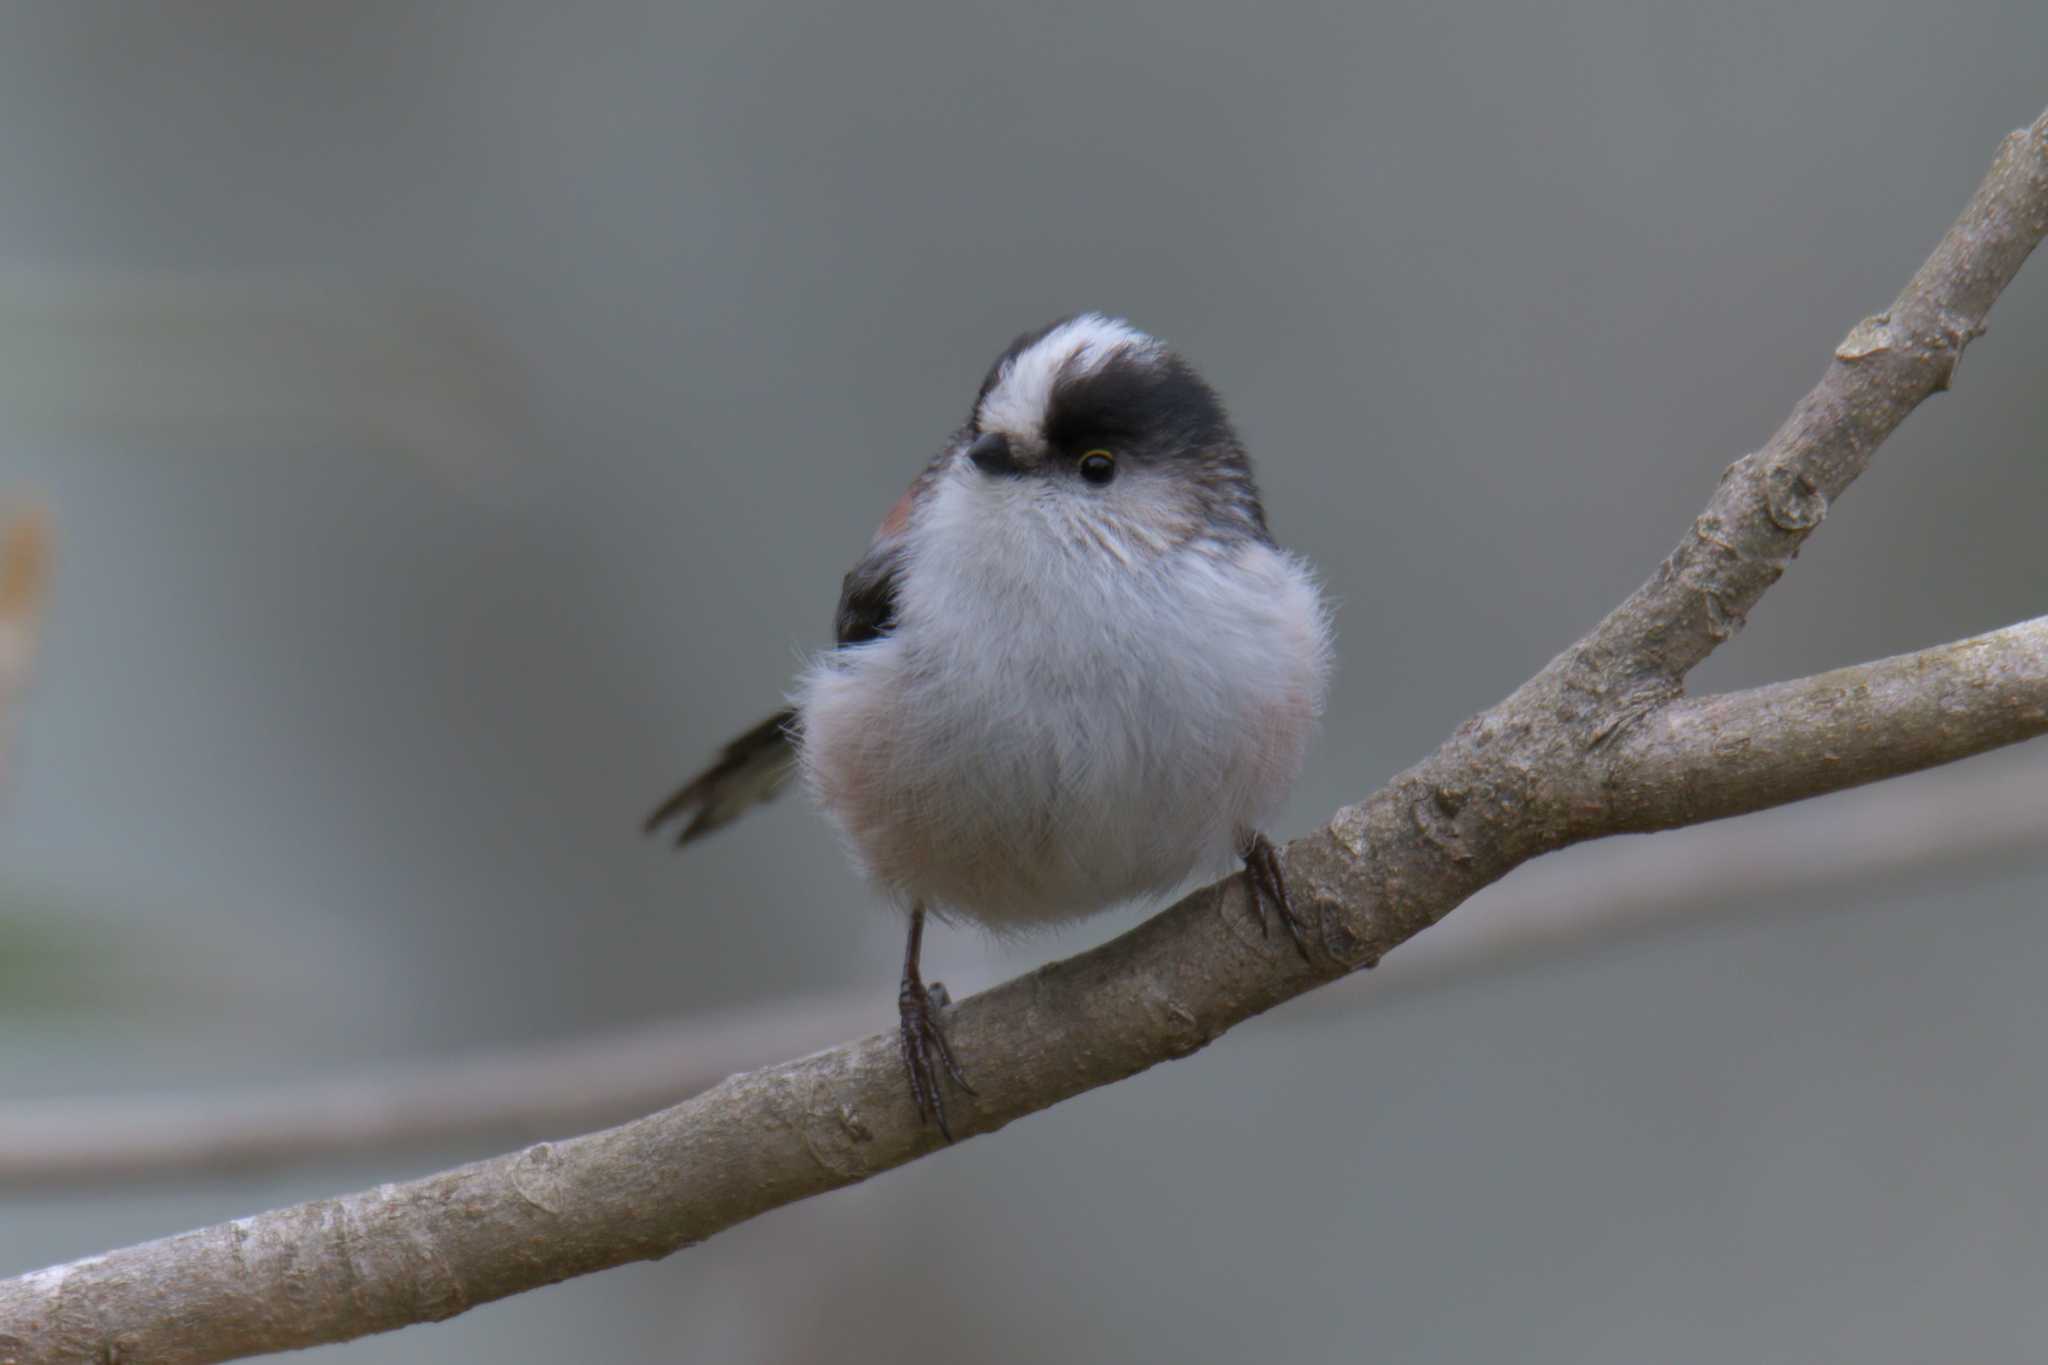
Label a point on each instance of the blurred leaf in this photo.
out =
(53, 961)
(59, 957)
(24, 574)
(236, 357)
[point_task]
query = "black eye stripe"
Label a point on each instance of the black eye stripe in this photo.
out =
(1132, 401)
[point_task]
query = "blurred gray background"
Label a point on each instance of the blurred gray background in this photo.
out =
(454, 418)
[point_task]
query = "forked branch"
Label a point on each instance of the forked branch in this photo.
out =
(1599, 742)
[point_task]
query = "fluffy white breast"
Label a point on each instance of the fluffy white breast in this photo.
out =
(1063, 718)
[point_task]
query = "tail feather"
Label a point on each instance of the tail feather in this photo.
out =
(752, 769)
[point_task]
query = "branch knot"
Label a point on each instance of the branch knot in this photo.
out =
(1872, 336)
(1795, 504)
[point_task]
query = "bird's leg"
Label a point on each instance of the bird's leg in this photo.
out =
(1269, 887)
(923, 1042)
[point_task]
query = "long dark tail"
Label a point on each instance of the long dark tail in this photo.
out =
(752, 769)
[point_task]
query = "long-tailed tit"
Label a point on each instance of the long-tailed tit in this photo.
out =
(1072, 669)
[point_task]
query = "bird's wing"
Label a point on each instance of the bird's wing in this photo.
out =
(757, 766)
(867, 596)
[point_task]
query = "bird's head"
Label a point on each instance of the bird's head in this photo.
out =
(1103, 433)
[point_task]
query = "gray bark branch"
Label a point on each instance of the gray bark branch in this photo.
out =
(1556, 906)
(1597, 743)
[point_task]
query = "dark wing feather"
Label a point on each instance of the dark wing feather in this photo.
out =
(756, 767)
(752, 769)
(867, 597)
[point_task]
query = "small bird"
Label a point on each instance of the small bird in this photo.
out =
(1072, 668)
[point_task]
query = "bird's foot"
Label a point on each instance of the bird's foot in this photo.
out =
(1269, 889)
(925, 1049)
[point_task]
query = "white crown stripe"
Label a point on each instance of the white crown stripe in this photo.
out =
(1018, 400)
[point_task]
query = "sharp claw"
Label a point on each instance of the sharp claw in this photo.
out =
(940, 1000)
(921, 1037)
(1269, 884)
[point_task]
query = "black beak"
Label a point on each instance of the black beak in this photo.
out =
(991, 454)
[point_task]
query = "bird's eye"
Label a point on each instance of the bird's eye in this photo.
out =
(1098, 466)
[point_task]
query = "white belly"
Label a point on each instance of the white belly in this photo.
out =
(1028, 747)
